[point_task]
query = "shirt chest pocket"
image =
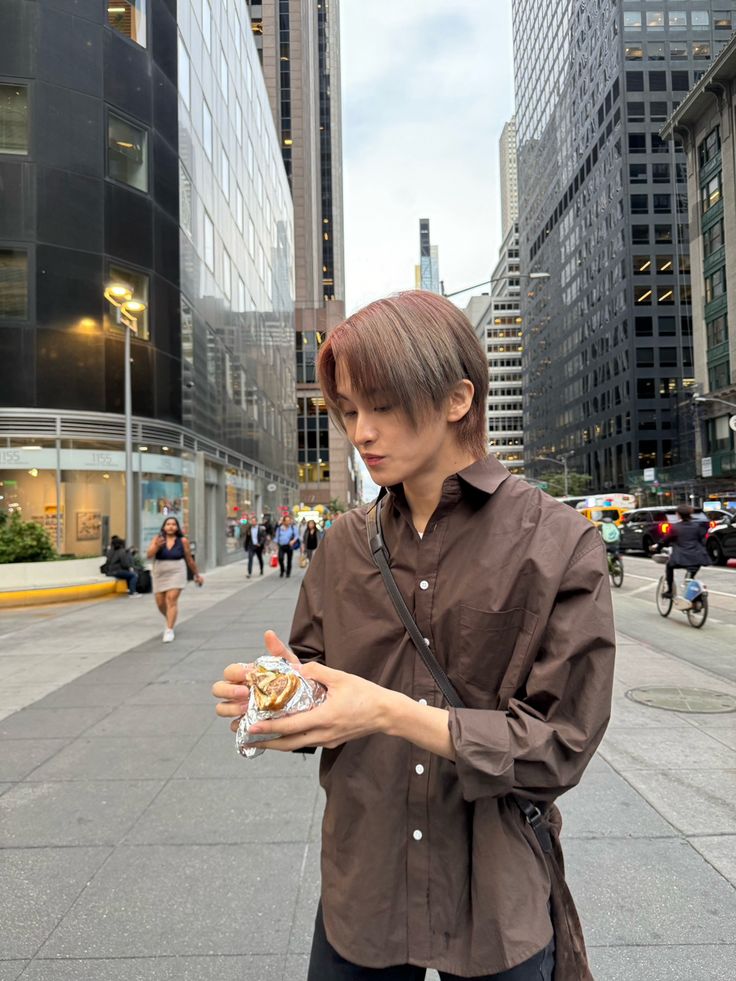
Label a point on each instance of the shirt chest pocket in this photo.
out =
(491, 653)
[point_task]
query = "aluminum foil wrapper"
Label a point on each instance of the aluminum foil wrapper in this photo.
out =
(293, 694)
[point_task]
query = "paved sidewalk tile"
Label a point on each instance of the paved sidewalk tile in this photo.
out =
(663, 963)
(720, 851)
(260, 968)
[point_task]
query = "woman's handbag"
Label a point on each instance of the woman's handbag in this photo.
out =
(571, 959)
(274, 561)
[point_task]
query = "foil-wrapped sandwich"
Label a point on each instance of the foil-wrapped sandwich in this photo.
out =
(276, 689)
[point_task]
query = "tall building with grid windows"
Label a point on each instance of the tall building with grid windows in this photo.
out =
(427, 272)
(608, 362)
(508, 172)
(137, 148)
(299, 46)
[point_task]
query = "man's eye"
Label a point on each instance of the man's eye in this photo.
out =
(383, 408)
(348, 413)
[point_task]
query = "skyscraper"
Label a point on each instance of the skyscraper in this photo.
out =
(299, 46)
(603, 210)
(508, 175)
(136, 148)
(427, 273)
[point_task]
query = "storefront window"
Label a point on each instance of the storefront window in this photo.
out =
(128, 17)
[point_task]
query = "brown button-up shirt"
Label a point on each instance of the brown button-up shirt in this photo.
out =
(426, 861)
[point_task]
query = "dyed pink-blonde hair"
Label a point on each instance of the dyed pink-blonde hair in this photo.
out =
(412, 348)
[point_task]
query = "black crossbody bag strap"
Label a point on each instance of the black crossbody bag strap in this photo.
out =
(378, 550)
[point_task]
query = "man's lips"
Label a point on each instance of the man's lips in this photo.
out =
(373, 460)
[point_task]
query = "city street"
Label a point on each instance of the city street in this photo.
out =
(139, 846)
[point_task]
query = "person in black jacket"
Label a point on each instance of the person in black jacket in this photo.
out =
(687, 538)
(254, 541)
(120, 565)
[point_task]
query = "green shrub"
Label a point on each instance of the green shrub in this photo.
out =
(24, 541)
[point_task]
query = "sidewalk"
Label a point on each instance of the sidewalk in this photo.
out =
(140, 847)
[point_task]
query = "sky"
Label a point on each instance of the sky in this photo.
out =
(427, 86)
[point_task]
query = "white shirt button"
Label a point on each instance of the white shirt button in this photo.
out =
(422, 701)
(424, 584)
(417, 835)
(426, 641)
(419, 769)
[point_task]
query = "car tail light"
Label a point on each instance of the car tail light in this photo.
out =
(664, 527)
(713, 524)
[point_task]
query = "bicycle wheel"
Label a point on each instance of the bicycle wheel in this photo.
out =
(664, 605)
(698, 612)
(617, 572)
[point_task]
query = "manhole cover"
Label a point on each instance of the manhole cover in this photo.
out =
(683, 699)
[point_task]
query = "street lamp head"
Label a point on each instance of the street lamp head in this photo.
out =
(118, 293)
(133, 307)
(539, 275)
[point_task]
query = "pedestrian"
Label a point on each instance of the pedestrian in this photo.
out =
(443, 749)
(287, 540)
(171, 554)
(687, 539)
(312, 538)
(610, 534)
(119, 564)
(254, 543)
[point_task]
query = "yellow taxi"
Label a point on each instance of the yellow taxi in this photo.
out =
(599, 511)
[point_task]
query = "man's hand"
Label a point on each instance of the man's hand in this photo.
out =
(354, 708)
(235, 688)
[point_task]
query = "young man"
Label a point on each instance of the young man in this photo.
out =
(254, 542)
(426, 859)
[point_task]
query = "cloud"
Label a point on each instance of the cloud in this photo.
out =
(426, 90)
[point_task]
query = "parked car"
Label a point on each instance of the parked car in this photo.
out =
(647, 526)
(721, 540)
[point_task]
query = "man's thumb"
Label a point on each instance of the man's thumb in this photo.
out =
(278, 648)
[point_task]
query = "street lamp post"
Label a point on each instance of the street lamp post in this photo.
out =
(561, 461)
(495, 279)
(121, 297)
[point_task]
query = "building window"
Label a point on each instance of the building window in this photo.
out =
(680, 81)
(656, 51)
(632, 19)
(715, 285)
(207, 23)
(710, 147)
(677, 20)
(716, 331)
(638, 173)
(663, 234)
(185, 200)
(14, 119)
(713, 239)
(645, 357)
(658, 112)
(13, 284)
(719, 376)
(666, 326)
(668, 357)
(664, 264)
(657, 81)
(184, 74)
(238, 121)
(635, 112)
(678, 52)
(637, 143)
(137, 282)
(655, 20)
(642, 265)
(225, 175)
(642, 295)
(639, 204)
(665, 296)
(128, 17)
(633, 51)
(239, 209)
(209, 243)
(700, 19)
(660, 173)
(127, 153)
(662, 204)
(207, 130)
(643, 327)
(722, 20)
(224, 77)
(701, 50)
(710, 194)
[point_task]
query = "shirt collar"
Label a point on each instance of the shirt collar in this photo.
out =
(485, 475)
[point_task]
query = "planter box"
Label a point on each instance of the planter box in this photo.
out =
(39, 575)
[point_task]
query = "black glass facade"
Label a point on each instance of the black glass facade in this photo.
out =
(608, 360)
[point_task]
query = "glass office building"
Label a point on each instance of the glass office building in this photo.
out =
(608, 358)
(136, 146)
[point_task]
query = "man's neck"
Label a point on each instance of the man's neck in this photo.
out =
(423, 493)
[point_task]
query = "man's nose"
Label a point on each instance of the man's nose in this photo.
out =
(365, 431)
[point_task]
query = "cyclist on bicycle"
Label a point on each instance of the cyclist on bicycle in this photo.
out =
(611, 535)
(687, 538)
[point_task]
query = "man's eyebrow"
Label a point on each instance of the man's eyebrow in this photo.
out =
(339, 395)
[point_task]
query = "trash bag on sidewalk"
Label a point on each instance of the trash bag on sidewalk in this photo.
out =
(145, 583)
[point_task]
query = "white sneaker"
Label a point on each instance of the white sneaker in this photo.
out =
(168, 636)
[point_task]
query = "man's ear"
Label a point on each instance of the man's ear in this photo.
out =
(460, 400)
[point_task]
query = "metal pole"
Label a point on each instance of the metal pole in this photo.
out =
(564, 464)
(128, 445)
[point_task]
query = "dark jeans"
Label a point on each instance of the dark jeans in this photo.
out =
(670, 573)
(285, 552)
(326, 964)
(256, 550)
(131, 578)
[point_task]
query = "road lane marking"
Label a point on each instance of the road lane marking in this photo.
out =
(641, 589)
(712, 592)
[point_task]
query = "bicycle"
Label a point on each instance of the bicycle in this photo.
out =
(693, 603)
(615, 569)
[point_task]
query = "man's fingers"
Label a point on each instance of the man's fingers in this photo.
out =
(229, 710)
(278, 648)
(231, 693)
(236, 673)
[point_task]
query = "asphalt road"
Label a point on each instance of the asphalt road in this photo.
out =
(712, 648)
